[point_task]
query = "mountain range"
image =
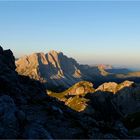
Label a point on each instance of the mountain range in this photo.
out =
(57, 71)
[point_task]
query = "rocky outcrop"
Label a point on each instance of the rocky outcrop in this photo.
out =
(114, 87)
(80, 88)
(124, 85)
(110, 87)
(74, 96)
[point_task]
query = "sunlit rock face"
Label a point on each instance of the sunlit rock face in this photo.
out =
(114, 87)
(52, 68)
(125, 84)
(81, 88)
(110, 87)
(74, 96)
(56, 69)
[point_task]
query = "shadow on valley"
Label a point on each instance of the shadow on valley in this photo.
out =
(96, 82)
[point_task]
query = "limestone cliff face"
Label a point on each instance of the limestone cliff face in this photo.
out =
(55, 69)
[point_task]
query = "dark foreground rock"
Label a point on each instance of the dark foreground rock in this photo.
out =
(27, 112)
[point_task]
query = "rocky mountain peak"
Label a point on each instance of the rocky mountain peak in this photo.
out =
(54, 52)
(55, 55)
(53, 67)
(103, 66)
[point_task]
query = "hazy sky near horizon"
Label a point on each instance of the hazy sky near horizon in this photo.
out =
(90, 31)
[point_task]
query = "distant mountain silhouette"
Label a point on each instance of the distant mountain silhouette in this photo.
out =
(118, 70)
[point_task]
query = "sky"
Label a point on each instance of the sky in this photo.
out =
(92, 32)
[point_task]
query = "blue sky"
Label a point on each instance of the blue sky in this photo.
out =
(90, 31)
